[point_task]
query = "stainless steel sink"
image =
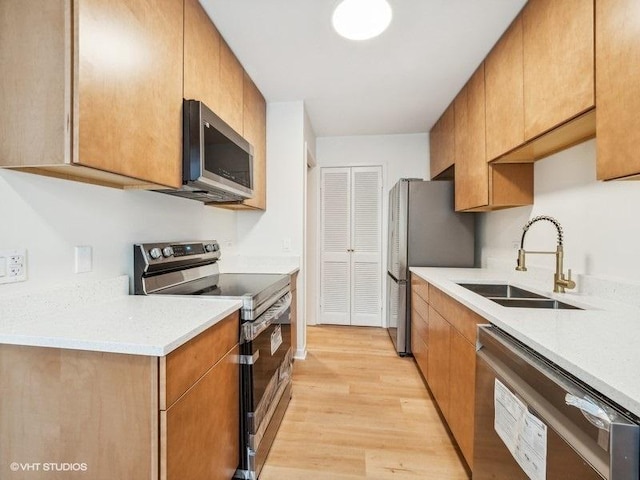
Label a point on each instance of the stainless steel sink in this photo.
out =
(515, 297)
(499, 290)
(534, 303)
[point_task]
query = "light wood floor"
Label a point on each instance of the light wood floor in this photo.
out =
(360, 412)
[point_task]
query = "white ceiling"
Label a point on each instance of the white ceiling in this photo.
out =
(399, 82)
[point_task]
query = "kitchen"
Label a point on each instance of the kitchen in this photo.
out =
(49, 217)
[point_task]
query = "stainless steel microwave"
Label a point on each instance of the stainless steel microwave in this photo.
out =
(217, 161)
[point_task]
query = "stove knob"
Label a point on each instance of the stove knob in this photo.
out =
(155, 253)
(167, 251)
(210, 247)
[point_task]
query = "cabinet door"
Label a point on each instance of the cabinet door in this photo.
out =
(255, 131)
(472, 174)
(618, 88)
(438, 360)
(201, 56)
(558, 62)
(35, 98)
(462, 393)
(231, 88)
(442, 143)
(200, 432)
(505, 93)
(420, 332)
(129, 88)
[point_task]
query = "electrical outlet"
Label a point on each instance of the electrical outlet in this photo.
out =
(13, 265)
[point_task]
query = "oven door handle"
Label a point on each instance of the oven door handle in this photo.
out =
(250, 330)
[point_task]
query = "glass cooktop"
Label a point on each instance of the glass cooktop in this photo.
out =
(229, 285)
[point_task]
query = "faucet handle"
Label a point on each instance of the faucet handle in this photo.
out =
(570, 284)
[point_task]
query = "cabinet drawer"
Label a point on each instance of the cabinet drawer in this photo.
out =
(419, 327)
(459, 316)
(184, 366)
(200, 432)
(420, 352)
(420, 286)
(419, 305)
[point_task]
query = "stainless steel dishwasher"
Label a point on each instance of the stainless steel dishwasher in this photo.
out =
(533, 420)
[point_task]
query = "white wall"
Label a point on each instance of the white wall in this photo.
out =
(264, 233)
(600, 219)
(49, 217)
(279, 231)
(401, 156)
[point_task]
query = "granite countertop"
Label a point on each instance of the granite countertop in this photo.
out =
(600, 345)
(105, 318)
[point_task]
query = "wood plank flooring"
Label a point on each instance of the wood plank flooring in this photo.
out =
(360, 412)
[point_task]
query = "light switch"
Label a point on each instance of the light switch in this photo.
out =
(3, 266)
(83, 259)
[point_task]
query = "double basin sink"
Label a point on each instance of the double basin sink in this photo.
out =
(510, 296)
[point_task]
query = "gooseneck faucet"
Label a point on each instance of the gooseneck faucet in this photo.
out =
(560, 283)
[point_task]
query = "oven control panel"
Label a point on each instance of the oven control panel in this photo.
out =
(165, 253)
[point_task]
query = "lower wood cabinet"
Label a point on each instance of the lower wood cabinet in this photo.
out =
(419, 333)
(439, 356)
(112, 416)
(199, 406)
(462, 375)
(446, 356)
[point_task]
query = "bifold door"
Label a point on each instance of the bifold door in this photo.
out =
(351, 237)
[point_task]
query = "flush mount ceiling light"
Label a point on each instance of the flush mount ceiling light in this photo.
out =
(361, 19)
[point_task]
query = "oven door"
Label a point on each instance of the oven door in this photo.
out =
(266, 368)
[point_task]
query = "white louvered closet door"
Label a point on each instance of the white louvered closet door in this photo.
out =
(366, 238)
(351, 274)
(335, 301)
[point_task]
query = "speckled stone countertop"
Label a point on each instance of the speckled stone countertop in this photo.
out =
(600, 345)
(102, 317)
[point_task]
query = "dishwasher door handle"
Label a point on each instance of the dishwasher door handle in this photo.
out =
(595, 414)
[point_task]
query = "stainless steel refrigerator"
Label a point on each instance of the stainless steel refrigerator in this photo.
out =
(424, 231)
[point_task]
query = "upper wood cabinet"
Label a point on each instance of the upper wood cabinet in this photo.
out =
(480, 186)
(558, 62)
(472, 174)
(92, 90)
(442, 143)
(231, 88)
(504, 88)
(255, 131)
(618, 88)
(201, 56)
(213, 75)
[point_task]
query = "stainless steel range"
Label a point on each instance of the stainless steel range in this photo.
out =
(191, 268)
